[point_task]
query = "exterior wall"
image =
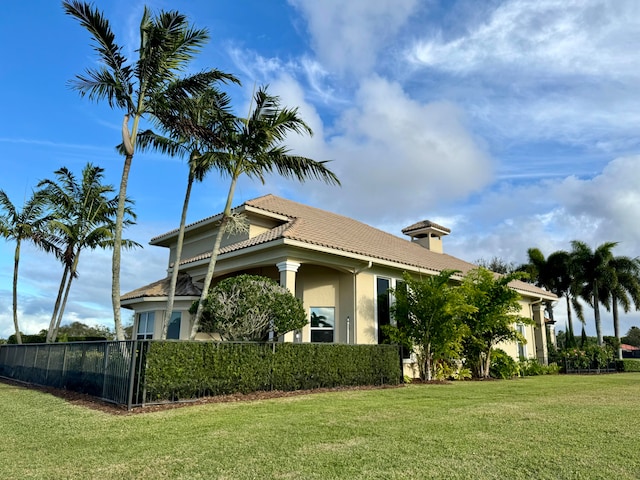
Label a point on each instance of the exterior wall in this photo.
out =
(365, 313)
(318, 286)
(158, 308)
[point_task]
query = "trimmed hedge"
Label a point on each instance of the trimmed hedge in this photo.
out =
(628, 365)
(184, 370)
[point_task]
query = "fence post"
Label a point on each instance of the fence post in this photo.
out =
(105, 366)
(132, 373)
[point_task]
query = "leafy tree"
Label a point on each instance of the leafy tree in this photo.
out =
(497, 265)
(428, 314)
(248, 307)
(254, 147)
(84, 213)
(30, 224)
(193, 130)
(496, 309)
(632, 337)
(591, 269)
(79, 329)
(140, 88)
(622, 287)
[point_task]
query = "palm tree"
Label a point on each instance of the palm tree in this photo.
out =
(193, 129)
(253, 146)
(591, 269)
(554, 274)
(142, 88)
(29, 224)
(622, 287)
(84, 218)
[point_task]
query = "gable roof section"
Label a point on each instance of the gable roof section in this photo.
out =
(184, 288)
(320, 228)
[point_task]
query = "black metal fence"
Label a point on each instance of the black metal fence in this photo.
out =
(592, 367)
(110, 371)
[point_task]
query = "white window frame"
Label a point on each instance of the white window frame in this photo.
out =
(323, 329)
(146, 334)
(521, 346)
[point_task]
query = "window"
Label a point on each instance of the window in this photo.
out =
(173, 332)
(322, 324)
(383, 304)
(146, 321)
(522, 348)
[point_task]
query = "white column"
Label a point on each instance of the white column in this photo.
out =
(288, 270)
(540, 333)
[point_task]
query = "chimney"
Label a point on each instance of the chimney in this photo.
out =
(427, 234)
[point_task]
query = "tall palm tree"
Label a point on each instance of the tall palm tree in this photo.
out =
(193, 131)
(84, 218)
(622, 287)
(253, 146)
(591, 269)
(140, 88)
(29, 224)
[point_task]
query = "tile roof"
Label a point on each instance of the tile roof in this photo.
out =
(184, 288)
(318, 227)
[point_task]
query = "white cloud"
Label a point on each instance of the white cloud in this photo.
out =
(552, 70)
(348, 36)
(397, 156)
(552, 37)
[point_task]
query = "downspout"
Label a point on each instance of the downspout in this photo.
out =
(355, 273)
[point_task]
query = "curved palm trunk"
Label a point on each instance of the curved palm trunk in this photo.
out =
(74, 268)
(214, 256)
(616, 324)
(117, 247)
(128, 140)
(596, 312)
(56, 308)
(176, 263)
(16, 261)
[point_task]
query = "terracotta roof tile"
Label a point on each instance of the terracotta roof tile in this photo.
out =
(184, 288)
(319, 227)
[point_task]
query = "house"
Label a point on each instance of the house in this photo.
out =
(340, 268)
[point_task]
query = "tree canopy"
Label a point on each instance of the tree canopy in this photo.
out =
(248, 307)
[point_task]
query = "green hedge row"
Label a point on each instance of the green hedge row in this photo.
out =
(182, 370)
(628, 365)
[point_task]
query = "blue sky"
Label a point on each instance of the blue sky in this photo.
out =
(514, 123)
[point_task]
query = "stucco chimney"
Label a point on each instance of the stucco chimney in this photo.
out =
(427, 234)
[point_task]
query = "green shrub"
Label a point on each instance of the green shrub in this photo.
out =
(502, 365)
(531, 367)
(628, 365)
(183, 370)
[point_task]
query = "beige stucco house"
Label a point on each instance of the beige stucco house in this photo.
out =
(340, 268)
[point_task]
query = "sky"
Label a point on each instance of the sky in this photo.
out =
(516, 124)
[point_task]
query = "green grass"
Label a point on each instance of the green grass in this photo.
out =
(552, 427)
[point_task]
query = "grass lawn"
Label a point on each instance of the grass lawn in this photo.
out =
(554, 427)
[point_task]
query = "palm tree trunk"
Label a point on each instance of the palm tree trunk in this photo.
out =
(596, 312)
(15, 291)
(117, 247)
(66, 296)
(214, 256)
(176, 263)
(616, 323)
(129, 141)
(570, 336)
(56, 307)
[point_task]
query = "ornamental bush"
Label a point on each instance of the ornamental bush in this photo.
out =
(247, 307)
(502, 365)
